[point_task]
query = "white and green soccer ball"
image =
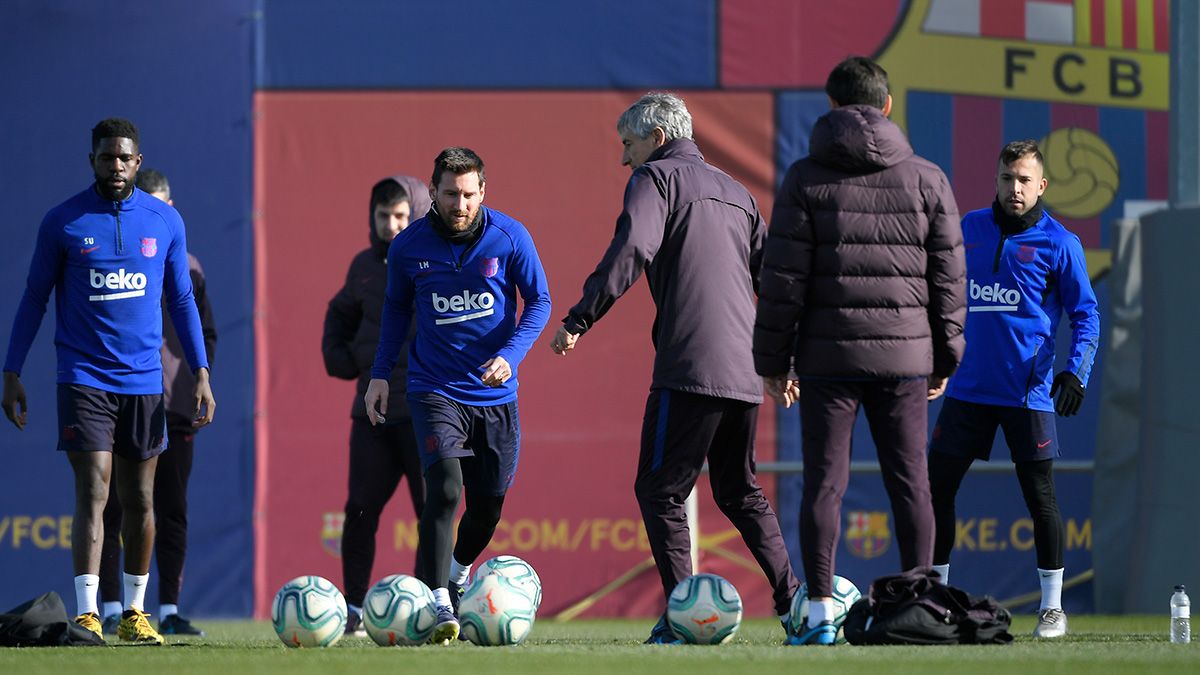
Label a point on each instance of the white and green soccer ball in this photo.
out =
(399, 611)
(496, 611)
(704, 609)
(309, 611)
(518, 571)
(845, 594)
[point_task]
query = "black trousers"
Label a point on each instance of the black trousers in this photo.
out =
(680, 431)
(170, 516)
(379, 458)
(897, 412)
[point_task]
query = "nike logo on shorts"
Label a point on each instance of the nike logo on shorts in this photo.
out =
(1043, 444)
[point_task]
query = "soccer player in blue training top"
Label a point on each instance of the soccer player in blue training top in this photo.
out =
(110, 254)
(1024, 271)
(379, 455)
(457, 273)
(174, 465)
(698, 235)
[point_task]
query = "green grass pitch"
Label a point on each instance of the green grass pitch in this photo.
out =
(1098, 644)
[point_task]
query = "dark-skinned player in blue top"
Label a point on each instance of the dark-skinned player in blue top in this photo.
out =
(1024, 272)
(110, 254)
(457, 273)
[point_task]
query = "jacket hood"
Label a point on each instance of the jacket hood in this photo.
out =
(418, 201)
(858, 139)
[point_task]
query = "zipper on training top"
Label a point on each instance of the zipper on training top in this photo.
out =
(999, 249)
(120, 242)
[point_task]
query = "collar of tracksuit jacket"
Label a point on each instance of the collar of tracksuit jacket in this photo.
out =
(1010, 225)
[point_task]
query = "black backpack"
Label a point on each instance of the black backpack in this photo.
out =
(43, 622)
(914, 609)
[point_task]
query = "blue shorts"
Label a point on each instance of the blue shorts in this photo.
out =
(486, 438)
(133, 426)
(967, 430)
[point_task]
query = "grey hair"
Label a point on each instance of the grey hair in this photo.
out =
(659, 109)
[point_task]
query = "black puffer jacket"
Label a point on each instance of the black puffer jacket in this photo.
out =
(863, 274)
(351, 332)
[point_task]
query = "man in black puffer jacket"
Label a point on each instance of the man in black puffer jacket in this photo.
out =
(862, 296)
(379, 455)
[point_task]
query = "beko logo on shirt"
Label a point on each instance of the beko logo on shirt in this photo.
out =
(479, 304)
(1003, 299)
(128, 285)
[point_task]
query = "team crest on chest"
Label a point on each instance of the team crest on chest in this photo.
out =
(149, 246)
(1026, 254)
(488, 267)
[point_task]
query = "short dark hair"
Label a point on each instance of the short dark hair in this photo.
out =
(457, 160)
(388, 191)
(1018, 149)
(149, 180)
(858, 81)
(115, 127)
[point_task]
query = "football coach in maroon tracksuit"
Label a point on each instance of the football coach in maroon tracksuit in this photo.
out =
(863, 298)
(698, 235)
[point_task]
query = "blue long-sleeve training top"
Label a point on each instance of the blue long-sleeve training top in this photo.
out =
(109, 265)
(464, 300)
(1018, 288)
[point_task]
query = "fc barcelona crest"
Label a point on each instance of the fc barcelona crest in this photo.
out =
(1026, 254)
(867, 533)
(149, 246)
(488, 267)
(331, 533)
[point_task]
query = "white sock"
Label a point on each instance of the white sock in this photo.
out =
(943, 571)
(459, 572)
(441, 597)
(86, 587)
(167, 610)
(1051, 581)
(112, 609)
(355, 608)
(818, 611)
(135, 591)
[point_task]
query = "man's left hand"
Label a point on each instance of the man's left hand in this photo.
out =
(564, 341)
(206, 405)
(1070, 393)
(495, 372)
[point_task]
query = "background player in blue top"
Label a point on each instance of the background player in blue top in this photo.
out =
(1024, 271)
(457, 273)
(110, 253)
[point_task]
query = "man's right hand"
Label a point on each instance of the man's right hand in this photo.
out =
(937, 387)
(376, 399)
(14, 397)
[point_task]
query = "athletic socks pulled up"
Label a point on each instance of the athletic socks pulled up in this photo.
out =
(1051, 581)
(135, 591)
(86, 588)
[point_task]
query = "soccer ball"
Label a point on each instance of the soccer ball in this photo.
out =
(845, 594)
(496, 611)
(704, 609)
(518, 571)
(309, 612)
(399, 610)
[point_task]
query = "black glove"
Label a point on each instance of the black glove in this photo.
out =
(1070, 393)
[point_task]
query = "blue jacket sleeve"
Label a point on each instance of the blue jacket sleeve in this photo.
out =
(1079, 302)
(530, 279)
(181, 303)
(44, 271)
(396, 317)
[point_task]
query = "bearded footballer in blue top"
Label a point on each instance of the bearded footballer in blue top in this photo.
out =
(1024, 271)
(110, 254)
(457, 273)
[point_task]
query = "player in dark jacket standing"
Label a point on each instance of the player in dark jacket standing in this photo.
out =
(379, 455)
(457, 273)
(1025, 270)
(862, 297)
(110, 254)
(174, 465)
(698, 235)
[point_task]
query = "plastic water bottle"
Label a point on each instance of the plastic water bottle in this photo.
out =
(1181, 612)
